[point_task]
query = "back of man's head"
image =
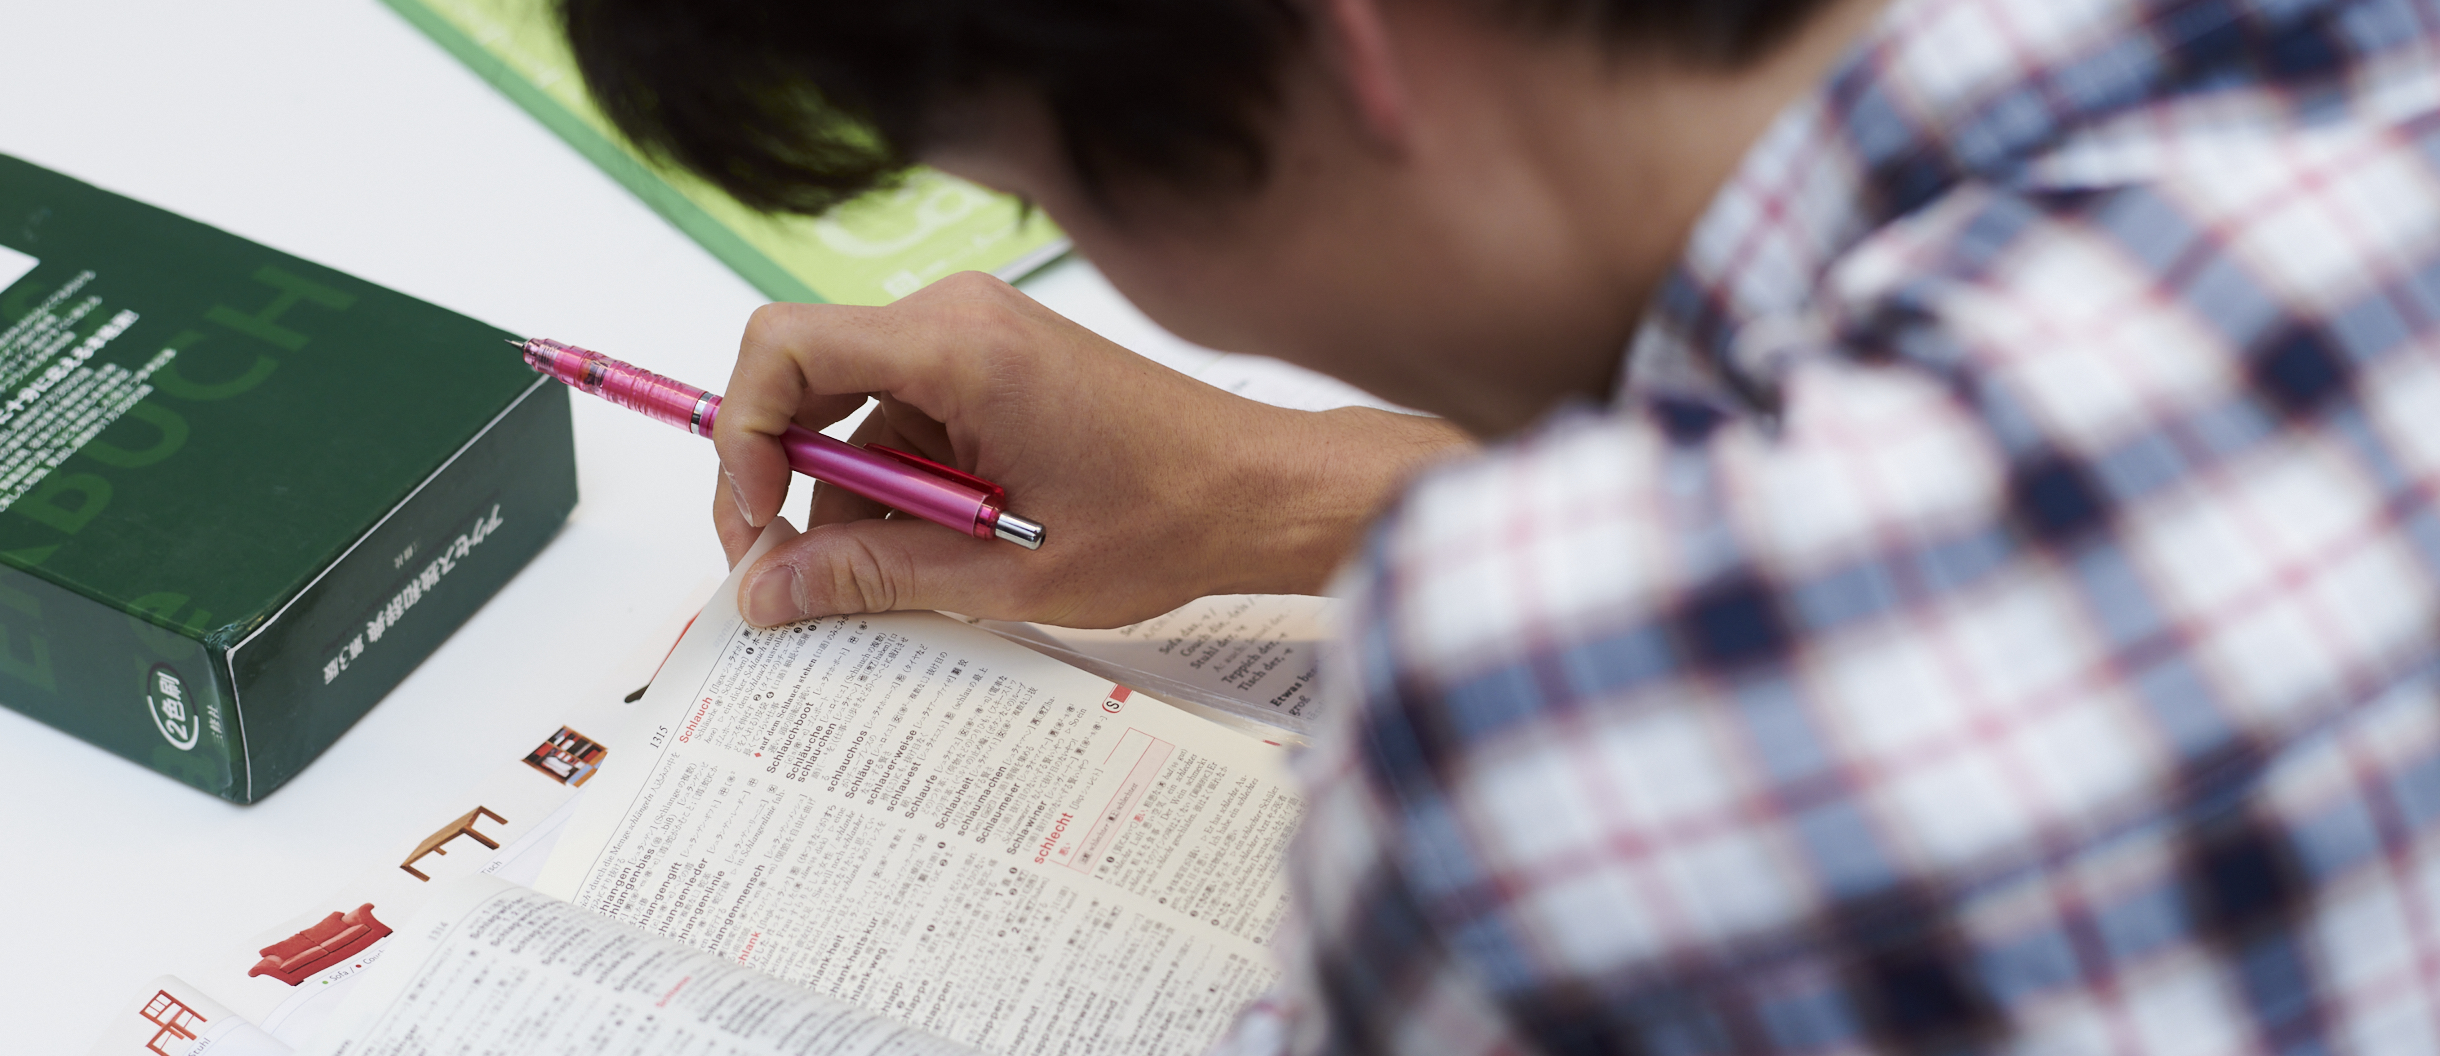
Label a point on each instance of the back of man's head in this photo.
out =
(797, 105)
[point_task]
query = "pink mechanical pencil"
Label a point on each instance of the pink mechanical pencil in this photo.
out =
(893, 478)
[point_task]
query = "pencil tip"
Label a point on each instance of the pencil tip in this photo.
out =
(514, 342)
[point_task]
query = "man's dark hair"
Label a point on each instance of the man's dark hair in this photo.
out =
(797, 105)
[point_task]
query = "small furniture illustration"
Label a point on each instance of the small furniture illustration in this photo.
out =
(463, 826)
(173, 1017)
(568, 757)
(336, 938)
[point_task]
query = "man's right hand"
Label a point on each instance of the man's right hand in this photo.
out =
(1154, 488)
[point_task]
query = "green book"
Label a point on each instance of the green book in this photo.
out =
(873, 250)
(241, 495)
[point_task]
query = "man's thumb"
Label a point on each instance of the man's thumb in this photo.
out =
(862, 566)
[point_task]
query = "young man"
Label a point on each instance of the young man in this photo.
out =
(1953, 565)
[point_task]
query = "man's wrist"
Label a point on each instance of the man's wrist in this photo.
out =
(1305, 497)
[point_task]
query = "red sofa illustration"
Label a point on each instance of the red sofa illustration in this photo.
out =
(338, 937)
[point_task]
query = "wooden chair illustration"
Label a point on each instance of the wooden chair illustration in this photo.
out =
(463, 826)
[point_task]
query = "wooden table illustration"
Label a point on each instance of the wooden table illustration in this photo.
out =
(464, 826)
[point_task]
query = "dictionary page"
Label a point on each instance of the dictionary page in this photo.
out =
(913, 814)
(489, 967)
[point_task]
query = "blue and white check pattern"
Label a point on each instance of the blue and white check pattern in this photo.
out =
(1998, 614)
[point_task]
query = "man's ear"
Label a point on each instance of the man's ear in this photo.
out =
(1356, 46)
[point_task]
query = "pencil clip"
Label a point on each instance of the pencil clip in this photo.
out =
(994, 495)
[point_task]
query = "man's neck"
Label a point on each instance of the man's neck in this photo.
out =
(1588, 126)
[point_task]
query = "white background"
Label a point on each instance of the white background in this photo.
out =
(333, 130)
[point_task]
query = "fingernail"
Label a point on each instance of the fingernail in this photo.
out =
(771, 598)
(738, 497)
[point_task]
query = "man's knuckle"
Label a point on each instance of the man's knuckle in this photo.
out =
(764, 325)
(974, 284)
(846, 588)
(863, 579)
(987, 329)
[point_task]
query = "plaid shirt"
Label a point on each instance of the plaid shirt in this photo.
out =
(1997, 615)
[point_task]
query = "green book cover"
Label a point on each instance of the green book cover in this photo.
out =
(873, 250)
(241, 495)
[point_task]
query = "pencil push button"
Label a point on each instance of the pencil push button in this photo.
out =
(1018, 530)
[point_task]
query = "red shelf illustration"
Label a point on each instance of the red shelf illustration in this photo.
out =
(569, 757)
(176, 1021)
(338, 937)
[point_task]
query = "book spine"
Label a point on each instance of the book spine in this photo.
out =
(302, 677)
(140, 685)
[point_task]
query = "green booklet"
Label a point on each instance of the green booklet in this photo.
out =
(870, 251)
(241, 495)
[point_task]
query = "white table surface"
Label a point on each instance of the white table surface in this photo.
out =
(333, 130)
